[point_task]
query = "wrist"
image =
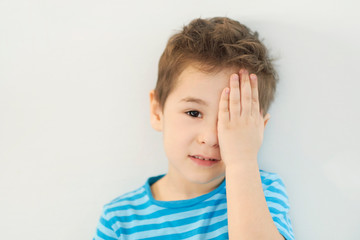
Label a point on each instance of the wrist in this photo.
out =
(240, 159)
(243, 163)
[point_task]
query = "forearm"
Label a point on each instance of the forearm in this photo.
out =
(248, 215)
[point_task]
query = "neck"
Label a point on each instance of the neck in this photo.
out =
(172, 188)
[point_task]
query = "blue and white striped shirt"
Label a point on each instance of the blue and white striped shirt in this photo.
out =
(137, 215)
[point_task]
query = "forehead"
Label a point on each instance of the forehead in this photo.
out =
(192, 80)
(193, 83)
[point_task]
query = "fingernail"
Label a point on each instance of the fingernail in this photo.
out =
(253, 76)
(234, 77)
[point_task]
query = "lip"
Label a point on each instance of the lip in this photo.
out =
(206, 163)
(205, 157)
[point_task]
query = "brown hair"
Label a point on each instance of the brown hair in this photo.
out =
(214, 44)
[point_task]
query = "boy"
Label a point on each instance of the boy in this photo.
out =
(215, 85)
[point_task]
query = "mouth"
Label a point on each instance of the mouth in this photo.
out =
(204, 158)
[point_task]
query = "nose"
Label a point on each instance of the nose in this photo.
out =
(208, 134)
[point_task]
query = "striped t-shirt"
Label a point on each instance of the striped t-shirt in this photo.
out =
(137, 215)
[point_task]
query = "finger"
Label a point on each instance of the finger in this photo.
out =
(255, 108)
(224, 115)
(245, 93)
(234, 98)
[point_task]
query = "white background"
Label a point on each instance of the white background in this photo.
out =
(74, 108)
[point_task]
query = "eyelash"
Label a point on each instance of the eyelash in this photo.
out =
(188, 113)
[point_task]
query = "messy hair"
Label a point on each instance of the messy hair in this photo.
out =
(211, 45)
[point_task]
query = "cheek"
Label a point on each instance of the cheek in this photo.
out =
(182, 129)
(178, 135)
(181, 122)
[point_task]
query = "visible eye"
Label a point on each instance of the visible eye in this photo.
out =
(194, 114)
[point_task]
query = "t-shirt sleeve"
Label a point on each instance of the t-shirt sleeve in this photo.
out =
(104, 230)
(278, 204)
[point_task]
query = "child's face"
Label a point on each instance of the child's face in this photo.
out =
(190, 127)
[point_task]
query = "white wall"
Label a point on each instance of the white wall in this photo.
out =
(74, 118)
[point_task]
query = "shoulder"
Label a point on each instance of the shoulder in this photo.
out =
(117, 210)
(270, 179)
(125, 200)
(274, 188)
(278, 202)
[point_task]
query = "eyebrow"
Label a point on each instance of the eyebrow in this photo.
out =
(194, 100)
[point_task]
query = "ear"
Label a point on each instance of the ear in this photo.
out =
(156, 115)
(266, 119)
